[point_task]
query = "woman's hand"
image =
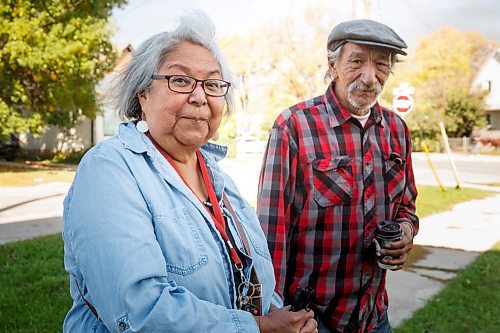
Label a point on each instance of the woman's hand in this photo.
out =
(284, 320)
(311, 326)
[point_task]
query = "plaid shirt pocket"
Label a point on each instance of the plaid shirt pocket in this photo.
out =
(394, 174)
(332, 180)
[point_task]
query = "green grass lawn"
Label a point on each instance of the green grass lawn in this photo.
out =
(432, 200)
(34, 293)
(470, 303)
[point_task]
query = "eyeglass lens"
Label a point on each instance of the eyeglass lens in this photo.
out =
(186, 84)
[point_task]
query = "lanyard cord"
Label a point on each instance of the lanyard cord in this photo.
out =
(217, 217)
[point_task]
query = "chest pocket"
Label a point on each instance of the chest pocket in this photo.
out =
(395, 175)
(180, 242)
(332, 180)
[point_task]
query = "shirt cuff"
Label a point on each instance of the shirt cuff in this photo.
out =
(244, 322)
(411, 228)
(276, 300)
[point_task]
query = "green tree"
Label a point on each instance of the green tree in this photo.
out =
(281, 63)
(52, 54)
(442, 69)
(464, 111)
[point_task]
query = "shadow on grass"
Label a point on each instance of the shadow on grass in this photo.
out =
(417, 253)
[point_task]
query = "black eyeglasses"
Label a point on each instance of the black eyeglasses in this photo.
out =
(186, 84)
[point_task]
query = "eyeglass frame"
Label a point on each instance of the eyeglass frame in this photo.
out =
(167, 77)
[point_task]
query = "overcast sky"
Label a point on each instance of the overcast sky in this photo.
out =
(412, 19)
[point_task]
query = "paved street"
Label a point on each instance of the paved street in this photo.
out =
(472, 170)
(446, 243)
(27, 212)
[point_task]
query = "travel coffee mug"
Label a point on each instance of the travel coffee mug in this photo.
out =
(386, 232)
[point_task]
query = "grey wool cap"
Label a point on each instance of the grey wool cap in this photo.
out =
(366, 32)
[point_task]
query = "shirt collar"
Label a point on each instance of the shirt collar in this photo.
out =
(218, 152)
(338, 113)
(131, 138)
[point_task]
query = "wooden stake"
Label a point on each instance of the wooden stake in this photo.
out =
(448, 150)
(426, 150)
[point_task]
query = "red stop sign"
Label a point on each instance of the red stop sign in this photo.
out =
(403, 103)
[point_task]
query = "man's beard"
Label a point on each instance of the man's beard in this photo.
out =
(358, 85)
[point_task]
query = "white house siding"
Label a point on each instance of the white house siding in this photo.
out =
(488, 79)
(53, 140)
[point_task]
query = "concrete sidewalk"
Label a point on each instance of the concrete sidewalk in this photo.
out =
(446, 243)
(27, 212)
(33, 202)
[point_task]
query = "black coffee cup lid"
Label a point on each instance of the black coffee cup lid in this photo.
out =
(388, 228)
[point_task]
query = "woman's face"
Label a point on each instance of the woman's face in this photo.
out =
(188, 120)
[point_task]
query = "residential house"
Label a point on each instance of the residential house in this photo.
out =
(488, 79)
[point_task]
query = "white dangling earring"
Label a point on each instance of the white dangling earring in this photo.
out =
(142, 126)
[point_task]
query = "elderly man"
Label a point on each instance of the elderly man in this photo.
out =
(334, 167)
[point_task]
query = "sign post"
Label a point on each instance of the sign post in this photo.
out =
(403, 103)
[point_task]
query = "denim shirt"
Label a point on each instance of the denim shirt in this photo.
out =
(143, 250)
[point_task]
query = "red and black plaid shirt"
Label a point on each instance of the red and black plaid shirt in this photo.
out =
(324, 184)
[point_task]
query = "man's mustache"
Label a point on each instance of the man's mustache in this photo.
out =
(358, 85)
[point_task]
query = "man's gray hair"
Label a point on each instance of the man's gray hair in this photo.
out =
(333, 56)
(195, 27)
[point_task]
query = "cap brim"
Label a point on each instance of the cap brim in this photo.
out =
(365, 42)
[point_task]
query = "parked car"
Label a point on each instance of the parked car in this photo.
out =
(10, 148)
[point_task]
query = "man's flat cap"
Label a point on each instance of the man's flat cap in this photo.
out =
(366, 32)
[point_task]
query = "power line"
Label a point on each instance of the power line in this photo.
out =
(417, 15)
(239, 17)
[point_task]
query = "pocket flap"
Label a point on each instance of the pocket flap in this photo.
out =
(331, 163)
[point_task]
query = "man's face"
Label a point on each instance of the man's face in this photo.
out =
(360, 74)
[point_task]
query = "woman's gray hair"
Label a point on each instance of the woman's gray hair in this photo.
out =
(195, 27)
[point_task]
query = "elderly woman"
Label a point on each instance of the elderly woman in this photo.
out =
(157, 238)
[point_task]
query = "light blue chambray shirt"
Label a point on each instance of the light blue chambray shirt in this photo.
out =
(144, 250)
